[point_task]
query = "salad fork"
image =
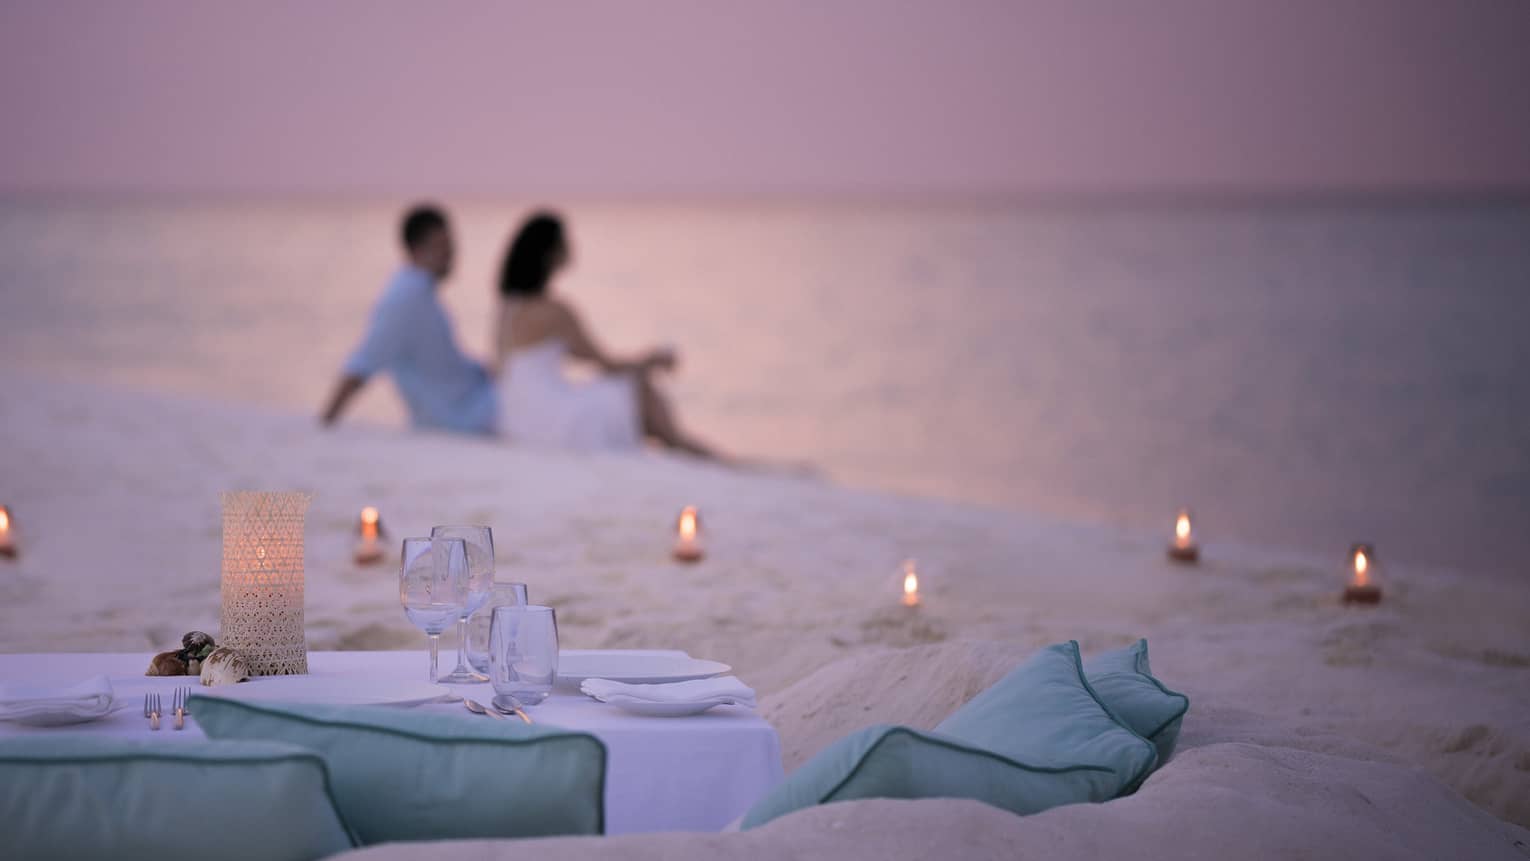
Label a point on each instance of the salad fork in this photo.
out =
(178, 707)
(151, 710)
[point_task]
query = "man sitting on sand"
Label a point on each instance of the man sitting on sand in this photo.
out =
(410, 337)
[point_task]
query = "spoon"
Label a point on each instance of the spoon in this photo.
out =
(478, 709)
(515, 708)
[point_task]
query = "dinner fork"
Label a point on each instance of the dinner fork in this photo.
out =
(178, 706)
(151, 710)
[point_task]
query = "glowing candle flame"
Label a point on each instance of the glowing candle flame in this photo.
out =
(5, 519)
(688, 523)
(1182, 528)
(369, 518)
(1362, 568)
(910, 585)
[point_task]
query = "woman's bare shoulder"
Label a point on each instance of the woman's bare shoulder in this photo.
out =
(535, 319)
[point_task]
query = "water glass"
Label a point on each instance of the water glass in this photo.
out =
(502, 595)
(523, 653)
(480, 556)
(432, 586)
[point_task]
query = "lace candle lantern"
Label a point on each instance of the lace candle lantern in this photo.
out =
(262, 613)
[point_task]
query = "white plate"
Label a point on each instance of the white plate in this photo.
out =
(635, 668)
(652, 709)
(331, 689)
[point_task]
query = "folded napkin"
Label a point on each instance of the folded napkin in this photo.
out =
(725, 690)
(40, 705)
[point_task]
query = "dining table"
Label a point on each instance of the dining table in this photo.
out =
(692, 773)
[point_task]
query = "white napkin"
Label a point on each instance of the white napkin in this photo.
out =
(47, 706)
(725, 690)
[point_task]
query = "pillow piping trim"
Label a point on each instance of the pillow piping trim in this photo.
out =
(600, 794)
(949, 744)
(1152, 764)
(1137, 661)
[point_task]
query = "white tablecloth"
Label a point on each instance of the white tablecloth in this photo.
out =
(663, 774)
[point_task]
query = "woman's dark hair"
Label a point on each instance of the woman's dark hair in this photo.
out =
(529, 263)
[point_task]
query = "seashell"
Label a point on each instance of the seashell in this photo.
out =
(166, 664)
(225, 667)
(196, 644)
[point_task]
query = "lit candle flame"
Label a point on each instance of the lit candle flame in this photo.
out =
(688, 523)
(369, 518)
(1362, 567)
(910, 585)
(1182, 528)
(5, 519)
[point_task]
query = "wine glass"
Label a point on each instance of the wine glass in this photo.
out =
(523, 654)
(433, 586)
(504, 594)
(480, 556)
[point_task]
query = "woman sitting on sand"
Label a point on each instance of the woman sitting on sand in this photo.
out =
(537, 335)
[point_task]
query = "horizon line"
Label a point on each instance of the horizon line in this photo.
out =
(1402, 196)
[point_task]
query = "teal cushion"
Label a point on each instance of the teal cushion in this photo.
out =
(79, 796)
(1037, 739)
(1044, 712)
(405, 774)
(1125, 682)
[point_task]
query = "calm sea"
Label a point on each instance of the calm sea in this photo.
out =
(1302, 375)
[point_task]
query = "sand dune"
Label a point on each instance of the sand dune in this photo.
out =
(1314, 728)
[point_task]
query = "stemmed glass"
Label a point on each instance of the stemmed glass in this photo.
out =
(433, 586)
(480, 558)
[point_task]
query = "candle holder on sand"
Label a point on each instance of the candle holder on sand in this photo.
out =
(688, 536)
(7, 542)
(262, 611)
(369, 531)
(1362, 588)
(908, 578)
(1184, 548)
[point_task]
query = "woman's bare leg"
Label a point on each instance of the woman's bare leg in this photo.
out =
(659, 421)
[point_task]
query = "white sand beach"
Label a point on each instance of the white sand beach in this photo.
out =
(1315, 730)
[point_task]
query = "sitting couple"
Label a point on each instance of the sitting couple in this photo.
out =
(410, 338)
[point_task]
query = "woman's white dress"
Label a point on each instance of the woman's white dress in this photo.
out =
(541, 406)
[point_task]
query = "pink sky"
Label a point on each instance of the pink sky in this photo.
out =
(780, 97)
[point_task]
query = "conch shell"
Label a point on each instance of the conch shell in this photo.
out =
(167, 664)
(224, 667)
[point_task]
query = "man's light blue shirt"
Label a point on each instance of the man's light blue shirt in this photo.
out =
(410, 337)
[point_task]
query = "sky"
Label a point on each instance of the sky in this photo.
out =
(608, 98)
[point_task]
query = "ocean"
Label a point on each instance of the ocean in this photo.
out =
(1303, 375)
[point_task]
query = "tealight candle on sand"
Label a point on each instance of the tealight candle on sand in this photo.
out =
(368, 548)
(910, 584)
(1184, 548)
(688, 535)
(1362, 564)
(7, 543)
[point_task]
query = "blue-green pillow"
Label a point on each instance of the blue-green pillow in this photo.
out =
(403, 774)
(1037, 739)
(1044, 712)
(1125, 682)
(78, 796)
